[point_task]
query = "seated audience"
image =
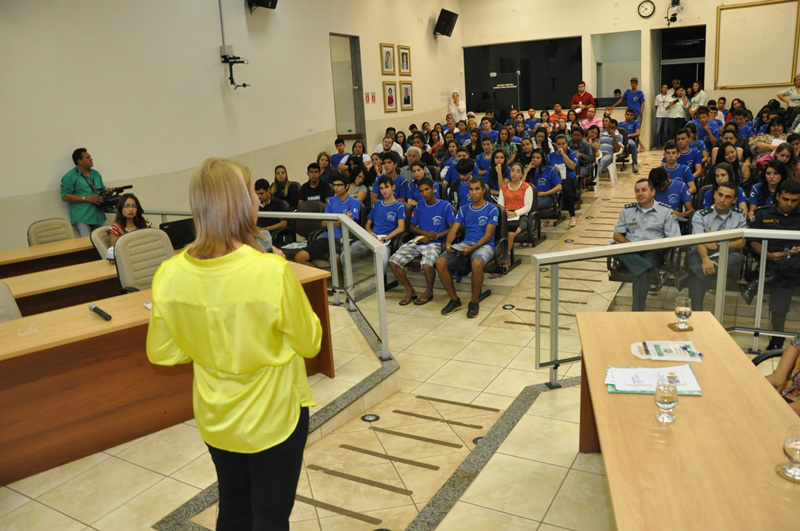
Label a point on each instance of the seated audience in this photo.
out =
(674, 194)
(504, 142)
(631, 125)
(338, 158)
(326, 170)
(414, 154)
(707, 130)
(532, 121)
(525, 152)
(340, 203)
(130, 217)
(358, 154)
(784, 153)
(610, 143)
(487, 131)
(699, 145)
(566, 162)
(646, 219)
(474, 145)
(411, 191)
(388, 143)
(762, 143)
(703, 259)
(498, 172)
(480, 220)
(545, 178)
(387, 219)
(268, 203)
(517, 198)
(357, 186)
(430, 222)
(591, 119)
(315, 189)
(483, 162)
(283, 188)
(585, 153)
(687, 156)
(391, 163)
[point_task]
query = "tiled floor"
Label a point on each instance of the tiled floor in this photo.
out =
(537, 480)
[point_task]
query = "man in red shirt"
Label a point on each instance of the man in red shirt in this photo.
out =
(581, 101)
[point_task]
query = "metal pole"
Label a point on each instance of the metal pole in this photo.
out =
(762, 271)
(381, 294)
(722, 277)
(334, 264)
(554, 326)
(347, 264)
(221, 23)
(537, 359)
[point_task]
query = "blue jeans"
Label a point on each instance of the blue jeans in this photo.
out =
(84, 229)
(662, 128)
(605, 162)
(633, 147)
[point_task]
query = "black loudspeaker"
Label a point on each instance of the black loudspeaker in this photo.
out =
(445, 23)
(270, 4)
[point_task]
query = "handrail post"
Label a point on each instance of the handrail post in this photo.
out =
(538, 323)
(381, 294)
(722, 278)
(347, 264)
(553, 383)
(762, 271)
(334, 264)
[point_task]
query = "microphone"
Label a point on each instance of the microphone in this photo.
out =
(98, 311)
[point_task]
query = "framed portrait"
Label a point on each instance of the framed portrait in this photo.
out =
(387, 59)
(406, 96)
(405, 60)
(390, 96)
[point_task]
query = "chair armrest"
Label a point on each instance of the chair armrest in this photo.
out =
(281, 237)
(766, 355)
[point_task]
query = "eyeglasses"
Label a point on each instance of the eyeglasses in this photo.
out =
(130, 207)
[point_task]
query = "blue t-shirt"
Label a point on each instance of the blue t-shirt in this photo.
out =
(492, 182)
(708, 199)
(349, 205)
(491, 134)
(631, 126)
(700, 146)
(385, 217)
(475, 221)
(675, 196)
(634, 100)
(681, 172)
(690, 158)
(745, 132)
(482, 162)
(763, 129)
(554, 159)
(435, 217)
(461, 138)
(463, 192)
(545, 180)
(755, 194)
(412, 192)
(702, 136)
(336, 159)
(532, 122)
(450, 164)
(400, 186)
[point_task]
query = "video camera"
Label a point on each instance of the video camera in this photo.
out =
(110, 201)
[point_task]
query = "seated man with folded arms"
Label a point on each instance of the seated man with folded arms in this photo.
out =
(786, 376)
(703, 259)
(674, 194)
(783, 256)
(430, 222)
(707, 129)
(584, 151)
(341, 203)
(315, 189)
(391, 163)
(483, 162)
(687, 155)
(480, 220)
(610, 143)
(676, 170)
(458, 192)
(631, 125)
(647, 219)
(387, 219)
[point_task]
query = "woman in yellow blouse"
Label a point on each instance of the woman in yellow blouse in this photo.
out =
(241, 316)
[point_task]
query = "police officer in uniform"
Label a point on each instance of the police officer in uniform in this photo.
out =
(701, 259)
(783, 260)
(647, 219)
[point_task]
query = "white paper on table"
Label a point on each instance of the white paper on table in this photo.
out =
(666, 351)
(639, 379)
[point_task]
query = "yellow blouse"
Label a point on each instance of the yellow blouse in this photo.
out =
(245, 321)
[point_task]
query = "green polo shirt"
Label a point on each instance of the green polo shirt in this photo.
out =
(74, 182)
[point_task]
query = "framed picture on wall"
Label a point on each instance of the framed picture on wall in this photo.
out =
(405, 59)
(387, 59)
(390, 96)
(406, 96)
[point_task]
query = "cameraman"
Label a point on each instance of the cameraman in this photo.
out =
(82, 187)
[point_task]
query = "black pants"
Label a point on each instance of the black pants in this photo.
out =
(256, 491)
(568, 186)
(785, 274)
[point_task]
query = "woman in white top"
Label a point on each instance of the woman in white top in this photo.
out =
(457, 108)
(699, 99)
(662, 116)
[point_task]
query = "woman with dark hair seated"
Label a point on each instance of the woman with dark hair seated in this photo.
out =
(727, 152)
(400, 138)
(357, 186)
(723, 172)
(474, 145)
(763, 192)
(130, 217)
(785, 153)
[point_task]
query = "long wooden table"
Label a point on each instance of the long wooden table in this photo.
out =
(46, 256)
(53, 289)
(714, 467)
(72, 384)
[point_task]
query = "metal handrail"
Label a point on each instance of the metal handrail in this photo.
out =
(724, 238)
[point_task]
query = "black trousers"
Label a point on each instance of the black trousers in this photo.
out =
(568, 186)
(256, 491)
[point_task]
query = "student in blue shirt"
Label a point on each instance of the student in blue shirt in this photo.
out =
(565, 161)
(631, 125)
(483, 162)
(449, 160)
(677, 171)
(745, 129)
(430, 222)
(544, 178)
(341, 203)
(687, 155)
(340, 154)
(694, 143)
(387, 219)
(634, 100)
(412, 194)
(723, 172)
(763, 192)
(390, 162)
(458, 192)
(461, 134)
(487, 131)
(532, 120)
(480, 220)
(674, 194)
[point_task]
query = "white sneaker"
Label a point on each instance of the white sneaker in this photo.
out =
(573, 222)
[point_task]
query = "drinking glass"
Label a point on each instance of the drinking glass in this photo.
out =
(666, 400)
(683, 310)
(791, 447)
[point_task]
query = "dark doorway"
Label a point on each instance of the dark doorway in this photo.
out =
(683, 55)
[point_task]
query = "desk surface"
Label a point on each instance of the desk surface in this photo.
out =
(61, 278)
(75, 323)
(714, 468)
(44, 250)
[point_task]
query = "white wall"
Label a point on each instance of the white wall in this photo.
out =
(140, 84)
(621, 55)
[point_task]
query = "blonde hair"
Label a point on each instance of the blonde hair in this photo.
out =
(219, 195)
(325, 154)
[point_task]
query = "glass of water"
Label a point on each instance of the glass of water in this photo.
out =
(666, 400)
(791, 447)
(683, 310)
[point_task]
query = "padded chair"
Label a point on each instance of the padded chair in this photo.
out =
(697, 200)
(309, 229)
(50, 230)
(554, 212)
(623, 157)
(138, 255)
(99, 239)
(8, 306)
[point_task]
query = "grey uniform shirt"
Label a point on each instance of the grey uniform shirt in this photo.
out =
(638, 224)
(707, 220)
